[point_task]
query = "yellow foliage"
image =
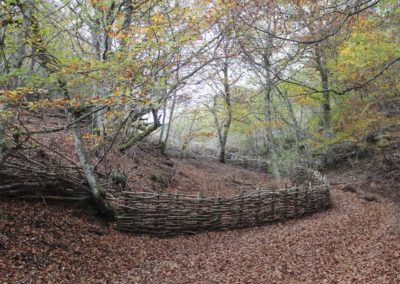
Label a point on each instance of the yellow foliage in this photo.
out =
(306, 101)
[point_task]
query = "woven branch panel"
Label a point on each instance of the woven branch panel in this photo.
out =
(171, 214)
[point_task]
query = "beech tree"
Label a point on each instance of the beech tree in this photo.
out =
(84, 81)
(122, 41)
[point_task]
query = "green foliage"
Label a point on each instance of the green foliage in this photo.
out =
(102, 62)
(364, 52)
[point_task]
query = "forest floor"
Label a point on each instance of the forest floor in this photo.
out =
(148, 170)
(356, 241)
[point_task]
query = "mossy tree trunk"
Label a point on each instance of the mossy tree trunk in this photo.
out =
(134, 139)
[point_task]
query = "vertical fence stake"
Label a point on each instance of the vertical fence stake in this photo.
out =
(218, 206)
(273, 206)
(198, 221)
(240, 210)
(258, 206)
(296, 203)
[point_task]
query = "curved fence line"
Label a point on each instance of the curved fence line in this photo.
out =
(171, 214)
(206, 153)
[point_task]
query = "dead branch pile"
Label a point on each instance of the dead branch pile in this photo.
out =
(32, 173)
(40, 162)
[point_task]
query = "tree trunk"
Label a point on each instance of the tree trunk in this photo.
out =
(325, 106)
(167, 133)
(294, 123)
(97, 192)
(127, 21)
(22, 39)
(228, 108)
(164, 112)
(218, 126)
(189, 136)
(140, 137)
(268, 116)
(270, 135)
(5, 152)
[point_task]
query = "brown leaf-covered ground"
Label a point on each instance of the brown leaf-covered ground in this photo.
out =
(148, 170)
(211, 178)
(356, 241)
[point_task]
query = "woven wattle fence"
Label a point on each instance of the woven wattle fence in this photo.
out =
(171, 214)
(248, 162)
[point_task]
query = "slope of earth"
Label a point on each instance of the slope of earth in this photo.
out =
(53, 160)
(211, 178)
(149, 170)
(356, 241)
(377, 175)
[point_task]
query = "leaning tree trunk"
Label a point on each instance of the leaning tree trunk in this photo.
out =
(168, 130)
(52, 65)
(164, 112)
(96, 190)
